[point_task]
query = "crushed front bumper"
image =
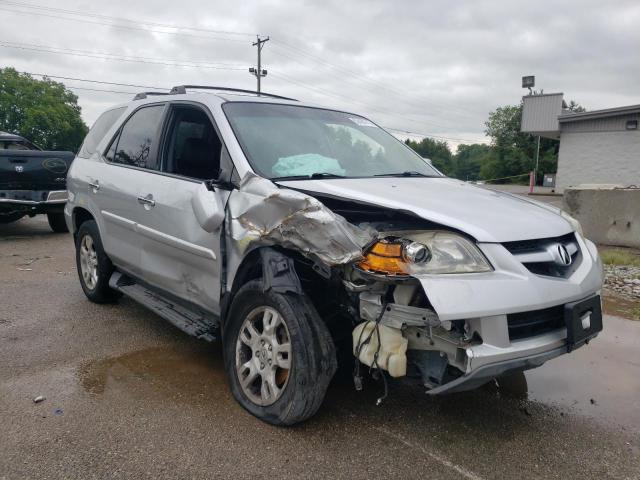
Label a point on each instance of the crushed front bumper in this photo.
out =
(486, 325)
(484, 302)
(486, 373)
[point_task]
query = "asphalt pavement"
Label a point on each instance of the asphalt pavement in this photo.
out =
(129, 396)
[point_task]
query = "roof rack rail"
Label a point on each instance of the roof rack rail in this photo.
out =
(143, 95)
(180, 89)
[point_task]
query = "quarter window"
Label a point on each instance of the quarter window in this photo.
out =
(138, 139)
(99, 130)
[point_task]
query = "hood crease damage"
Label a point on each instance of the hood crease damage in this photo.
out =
(263, 214)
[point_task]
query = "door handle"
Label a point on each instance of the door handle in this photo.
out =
(147, 201)
(95, 186)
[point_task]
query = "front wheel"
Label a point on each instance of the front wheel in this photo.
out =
(279, 355)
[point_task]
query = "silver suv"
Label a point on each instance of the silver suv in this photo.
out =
(299, 236)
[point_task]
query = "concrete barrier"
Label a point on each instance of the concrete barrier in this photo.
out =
(610, 215)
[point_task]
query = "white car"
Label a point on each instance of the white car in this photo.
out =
(298, 235)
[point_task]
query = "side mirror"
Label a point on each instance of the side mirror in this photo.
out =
(208, 208)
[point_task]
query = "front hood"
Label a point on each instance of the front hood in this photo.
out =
(486, 215)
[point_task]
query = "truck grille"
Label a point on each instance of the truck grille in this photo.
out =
(536, 322)
(539, 257)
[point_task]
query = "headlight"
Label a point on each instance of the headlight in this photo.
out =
(575, 224)
(408, 253)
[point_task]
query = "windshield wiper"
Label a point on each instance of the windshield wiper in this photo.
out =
(313, 176)
(408, 173)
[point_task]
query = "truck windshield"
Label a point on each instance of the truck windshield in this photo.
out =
(294, 142)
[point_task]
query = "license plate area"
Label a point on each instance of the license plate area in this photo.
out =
(583, 320)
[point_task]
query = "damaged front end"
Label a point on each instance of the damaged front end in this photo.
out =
(401, 290)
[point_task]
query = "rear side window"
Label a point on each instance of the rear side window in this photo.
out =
(137, 143)
(98, 131)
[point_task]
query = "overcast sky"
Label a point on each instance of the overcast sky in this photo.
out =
(430, 67)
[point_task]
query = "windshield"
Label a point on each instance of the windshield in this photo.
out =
(286, 141)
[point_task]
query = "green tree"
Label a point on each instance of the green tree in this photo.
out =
(43, 111)
(469, 160)
(437, 151)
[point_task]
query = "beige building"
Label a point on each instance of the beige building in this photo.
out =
(596, 147)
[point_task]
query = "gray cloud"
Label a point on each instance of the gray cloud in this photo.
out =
(433, 67)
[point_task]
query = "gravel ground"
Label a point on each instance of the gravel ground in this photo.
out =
(129, 396)
(623, 281)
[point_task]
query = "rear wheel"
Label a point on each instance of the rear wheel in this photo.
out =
(94, 267)
(57, 222)
(279, 356)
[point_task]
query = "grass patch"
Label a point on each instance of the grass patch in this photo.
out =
(620, 257)
(635, 313)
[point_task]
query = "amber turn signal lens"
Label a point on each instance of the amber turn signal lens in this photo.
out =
(384, 258)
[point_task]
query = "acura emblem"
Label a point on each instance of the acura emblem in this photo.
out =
(563, 257)
(19, 168)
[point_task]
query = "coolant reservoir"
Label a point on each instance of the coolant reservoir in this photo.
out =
(392, 356)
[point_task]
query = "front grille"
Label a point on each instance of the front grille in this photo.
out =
(530, 246)
(536, 322)
(536, 257)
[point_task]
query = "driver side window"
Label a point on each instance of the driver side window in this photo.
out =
(193, 147)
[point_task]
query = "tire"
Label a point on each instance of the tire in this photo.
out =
(299, 389)
(89, 252)
(10, 218)
(57, 222)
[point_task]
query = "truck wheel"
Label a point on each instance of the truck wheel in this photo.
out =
(57, 223)
(94, 267)
(279, 355)
(10, 218)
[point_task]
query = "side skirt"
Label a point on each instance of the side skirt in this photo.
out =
(190, 321)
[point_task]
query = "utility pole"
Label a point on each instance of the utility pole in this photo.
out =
(259, 72)
(535, 172)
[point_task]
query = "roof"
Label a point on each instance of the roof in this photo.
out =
(606, 112)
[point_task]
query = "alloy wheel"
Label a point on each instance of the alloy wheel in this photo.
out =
(88, 262)
(263, 355)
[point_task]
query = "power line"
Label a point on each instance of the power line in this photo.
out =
(372, 109)
(159, 61)
(121, 19)
(293, 48)
(284, 44)
(128, 57)
(125, 27)
(318, 59)
(423, 135)
(111, 56)
(94, 81)
(402, 99)
(320, 90)
(73, 87)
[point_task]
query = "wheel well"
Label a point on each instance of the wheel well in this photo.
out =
(80, 215)
(326, 294)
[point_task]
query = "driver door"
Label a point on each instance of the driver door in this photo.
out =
(178, 256)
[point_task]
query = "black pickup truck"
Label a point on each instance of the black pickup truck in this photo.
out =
(32, 181)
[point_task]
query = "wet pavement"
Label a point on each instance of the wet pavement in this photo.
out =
(129, 396)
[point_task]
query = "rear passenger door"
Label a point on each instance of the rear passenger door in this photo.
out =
(121, 181)
(180, 257)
